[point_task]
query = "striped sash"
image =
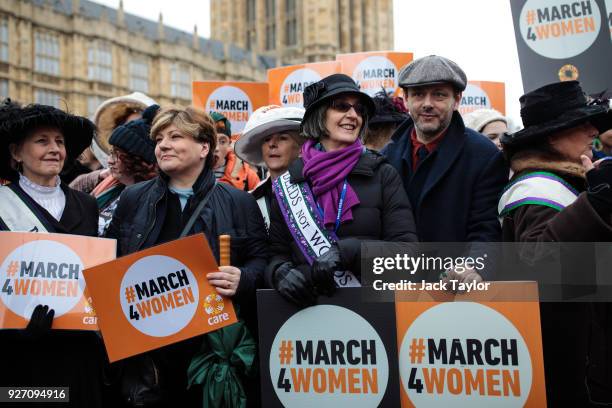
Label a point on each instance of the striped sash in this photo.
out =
(537, 188)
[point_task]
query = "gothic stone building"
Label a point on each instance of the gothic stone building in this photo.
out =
(74, 54)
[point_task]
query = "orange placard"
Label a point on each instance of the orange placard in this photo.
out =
(234, 100)
(471, 351)
(483, 94)
(375, 70)
(286, 84)
(47, 269)
(157, 296)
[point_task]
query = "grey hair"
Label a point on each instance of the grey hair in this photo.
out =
(313, 127)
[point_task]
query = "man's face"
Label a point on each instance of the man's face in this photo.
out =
(223, 146)
(431, 107)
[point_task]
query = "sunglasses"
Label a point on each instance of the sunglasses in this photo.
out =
(342, 106)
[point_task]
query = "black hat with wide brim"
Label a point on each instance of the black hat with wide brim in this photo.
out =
(553, 108)
(17, 122)
(320, 92)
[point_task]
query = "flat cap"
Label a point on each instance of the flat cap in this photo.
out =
(430, 70)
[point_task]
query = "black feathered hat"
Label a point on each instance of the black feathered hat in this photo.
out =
(553, 108)
(17, 122)
(388, 110)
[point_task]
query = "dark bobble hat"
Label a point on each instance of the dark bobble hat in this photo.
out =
(552, 108)
(134, 137)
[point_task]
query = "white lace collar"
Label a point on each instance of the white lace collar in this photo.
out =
(28, 184)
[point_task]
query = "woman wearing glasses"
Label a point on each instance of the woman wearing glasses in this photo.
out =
(131, 160)
(334, 196)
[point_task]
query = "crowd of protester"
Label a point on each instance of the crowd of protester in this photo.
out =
(384, 169)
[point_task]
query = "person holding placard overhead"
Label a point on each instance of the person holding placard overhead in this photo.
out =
(36, 142)
(348, 193)
(185, 199)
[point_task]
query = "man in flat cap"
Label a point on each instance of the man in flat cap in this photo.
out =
(453, 176)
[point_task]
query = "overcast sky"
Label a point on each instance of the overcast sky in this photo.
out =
(477, 34)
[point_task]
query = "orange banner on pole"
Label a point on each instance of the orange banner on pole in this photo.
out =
(473, 351)
(483, 95)
(375, 71)
(286, 84)
(157, 296)
(47, 269)
(234, 100)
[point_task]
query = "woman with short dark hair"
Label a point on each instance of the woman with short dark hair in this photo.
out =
(348, 193)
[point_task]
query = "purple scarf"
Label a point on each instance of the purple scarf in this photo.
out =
(326, 172)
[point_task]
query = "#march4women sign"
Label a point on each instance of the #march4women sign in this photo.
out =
(47, 269)
(157, 296)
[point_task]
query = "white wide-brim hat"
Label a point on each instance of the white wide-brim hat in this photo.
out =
(262, 123)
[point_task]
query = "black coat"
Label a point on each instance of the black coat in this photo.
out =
(383, 214)
(59, 357)
(138, 220)
(139, 216)
(80, 216)
(576, 336)
(454, 192)
(138, 223)
(264, 196)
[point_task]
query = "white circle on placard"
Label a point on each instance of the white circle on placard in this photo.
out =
(455, 324)
(233, 103)
(41, 273)
(292, 89)
(376, 73)
(474, 98)
(159, 295)
(559, 29)
(327, 330)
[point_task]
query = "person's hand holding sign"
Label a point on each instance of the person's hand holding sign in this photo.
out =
(465, 276)
(227, 279)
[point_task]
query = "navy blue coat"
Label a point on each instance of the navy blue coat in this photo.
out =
(455, 190)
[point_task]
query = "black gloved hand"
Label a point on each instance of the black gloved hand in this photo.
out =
(294, 286)
(40, 322)
(323, 269)
(599, 180)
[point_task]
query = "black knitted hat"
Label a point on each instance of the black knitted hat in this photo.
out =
(134, 137)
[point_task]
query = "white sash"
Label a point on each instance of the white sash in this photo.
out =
(298, 208)
(540, 188)
(16, 214)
